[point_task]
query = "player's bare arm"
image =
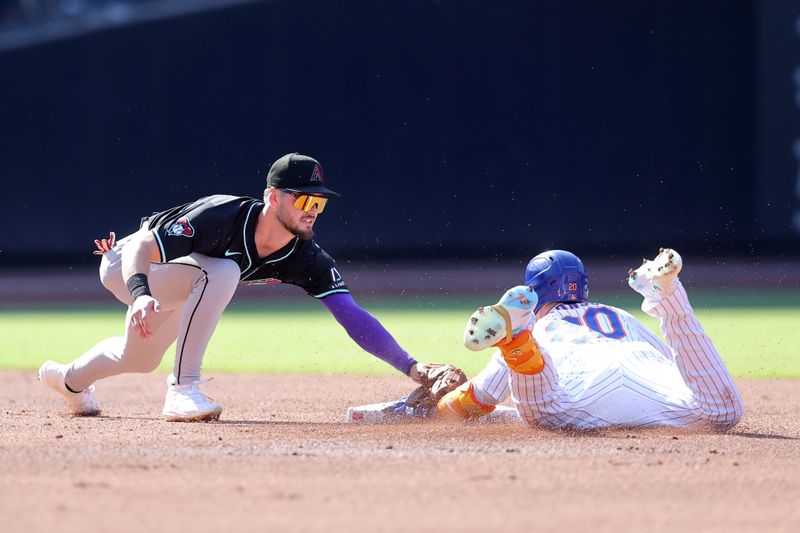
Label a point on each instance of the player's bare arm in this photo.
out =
(135, 269)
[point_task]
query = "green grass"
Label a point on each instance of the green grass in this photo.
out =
(757, 336)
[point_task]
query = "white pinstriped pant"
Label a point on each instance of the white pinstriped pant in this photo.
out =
(629, 384)
(193, 292)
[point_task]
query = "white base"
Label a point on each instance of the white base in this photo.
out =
(380, 412)
(396, 411)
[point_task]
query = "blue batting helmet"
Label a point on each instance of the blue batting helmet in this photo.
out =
(557, 276)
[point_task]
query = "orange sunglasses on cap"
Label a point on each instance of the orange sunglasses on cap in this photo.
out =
(307, 202)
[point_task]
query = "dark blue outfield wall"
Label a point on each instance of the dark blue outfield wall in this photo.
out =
(452, 128)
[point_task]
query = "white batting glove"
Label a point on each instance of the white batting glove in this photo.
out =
(105, 245)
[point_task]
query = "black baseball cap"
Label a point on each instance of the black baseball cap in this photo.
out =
(299, 173)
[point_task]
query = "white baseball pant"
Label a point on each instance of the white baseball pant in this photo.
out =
(193, 291)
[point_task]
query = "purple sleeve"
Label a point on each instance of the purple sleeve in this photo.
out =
(367, 331)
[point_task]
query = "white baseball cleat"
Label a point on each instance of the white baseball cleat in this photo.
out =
(657, 279)
(499, 323)
(187, 403)
(83, 403)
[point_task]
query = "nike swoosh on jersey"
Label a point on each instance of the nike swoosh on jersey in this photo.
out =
(228, 253)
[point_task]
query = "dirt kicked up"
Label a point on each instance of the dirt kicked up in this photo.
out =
(282, 458)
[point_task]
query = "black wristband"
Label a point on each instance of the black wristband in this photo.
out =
(138, 286)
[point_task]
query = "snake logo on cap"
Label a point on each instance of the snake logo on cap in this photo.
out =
(317, 174)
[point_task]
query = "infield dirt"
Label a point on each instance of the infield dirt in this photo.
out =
(283, 459)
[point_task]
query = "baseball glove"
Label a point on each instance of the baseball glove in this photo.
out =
(435, 381)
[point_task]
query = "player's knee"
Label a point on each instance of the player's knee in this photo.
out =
(725, 419)
(223, 278)
(228, 271)
(734, 415)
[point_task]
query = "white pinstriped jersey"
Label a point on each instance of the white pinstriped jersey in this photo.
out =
(605, 368)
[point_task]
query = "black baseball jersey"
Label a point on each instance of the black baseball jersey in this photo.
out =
(224, 226)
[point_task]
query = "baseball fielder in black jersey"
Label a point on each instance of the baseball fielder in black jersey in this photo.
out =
(180, 270)
(225, 226)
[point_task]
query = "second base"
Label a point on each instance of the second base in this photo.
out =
(398, 411)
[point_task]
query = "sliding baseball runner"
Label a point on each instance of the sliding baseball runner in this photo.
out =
(571, 363)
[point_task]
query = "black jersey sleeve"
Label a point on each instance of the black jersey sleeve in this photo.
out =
(322, 278)
(194, 227)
